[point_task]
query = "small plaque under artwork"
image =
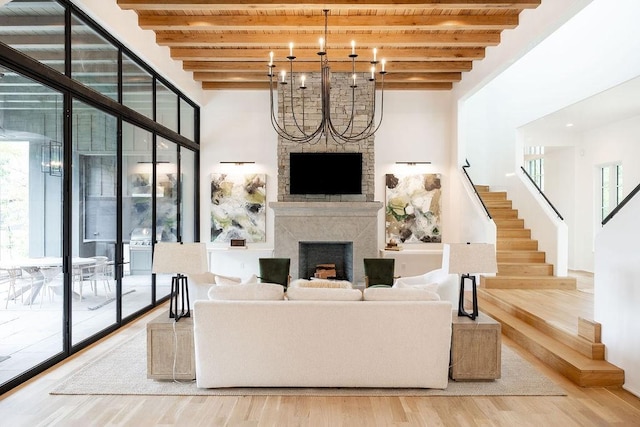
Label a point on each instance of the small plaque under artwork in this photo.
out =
(238, 242)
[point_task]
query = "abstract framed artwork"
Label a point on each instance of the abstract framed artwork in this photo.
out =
(413, 208)
(238, 207)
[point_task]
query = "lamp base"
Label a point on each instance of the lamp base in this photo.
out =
(474, 297)
(179, 287)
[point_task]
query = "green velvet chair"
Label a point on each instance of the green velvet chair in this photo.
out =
(379, 272)
(275, 270)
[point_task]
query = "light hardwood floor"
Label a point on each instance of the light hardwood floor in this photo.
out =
(31, 405)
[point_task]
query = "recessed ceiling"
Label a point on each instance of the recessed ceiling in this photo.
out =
(428, 44)
(617, 103)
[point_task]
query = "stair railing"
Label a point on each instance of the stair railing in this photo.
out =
(541, 193)
(464, 170)
(621, 204)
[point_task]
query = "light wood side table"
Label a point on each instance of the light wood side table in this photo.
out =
(161, 349)
(475, 348)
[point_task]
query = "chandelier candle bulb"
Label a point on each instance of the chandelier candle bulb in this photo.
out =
(384, 61)
(302, 86)
(271, 58)
(373, 72)
(354, 80)
(283, 73)
(353, 47)
(291, 49)
(375, 52)
(321, 44)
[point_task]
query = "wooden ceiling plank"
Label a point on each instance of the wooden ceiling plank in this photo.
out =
(336, 23)
(391, 77)
(332, 4)
(313, 66)
(399, 54)
(338, 40)
(387, 86)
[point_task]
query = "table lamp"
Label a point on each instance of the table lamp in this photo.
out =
(179, 259)
(468, 259)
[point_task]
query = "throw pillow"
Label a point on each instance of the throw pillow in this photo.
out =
(247, 291)
(321, 283)
(399, 294)
(323, 294)
(251, 279)
(431, 287)
(433, 276)
(225, 280)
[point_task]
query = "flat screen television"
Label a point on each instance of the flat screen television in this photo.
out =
(325, 173)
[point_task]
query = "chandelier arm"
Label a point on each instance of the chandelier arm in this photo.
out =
(274, 119)
(326, 126)
(370, 126)
(293, 111)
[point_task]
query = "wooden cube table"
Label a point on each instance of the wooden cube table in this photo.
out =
(475, 348)
(162, 350)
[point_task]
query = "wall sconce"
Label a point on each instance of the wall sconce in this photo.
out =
(237, 163)
(413, 163)
(51, 158)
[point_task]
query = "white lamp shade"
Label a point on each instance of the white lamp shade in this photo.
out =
(180, 258)
(469, 258)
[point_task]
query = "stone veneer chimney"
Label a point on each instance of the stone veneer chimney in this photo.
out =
(340, 112)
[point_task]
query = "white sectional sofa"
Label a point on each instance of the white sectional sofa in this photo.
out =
(313, 343)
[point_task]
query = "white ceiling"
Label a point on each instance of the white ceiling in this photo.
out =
(615, 104)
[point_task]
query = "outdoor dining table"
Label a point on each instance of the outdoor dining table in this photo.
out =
(37, 267)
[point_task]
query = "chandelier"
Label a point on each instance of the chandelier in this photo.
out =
(297, 131)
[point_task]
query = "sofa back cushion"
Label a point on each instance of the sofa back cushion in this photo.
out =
(323, 294)
(247, 291)
(399, 294)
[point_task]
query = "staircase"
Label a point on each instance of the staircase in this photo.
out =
(520, 291)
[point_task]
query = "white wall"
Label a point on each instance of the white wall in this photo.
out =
(235, 125)
(573, 63)
(617, 291)
(616, 142)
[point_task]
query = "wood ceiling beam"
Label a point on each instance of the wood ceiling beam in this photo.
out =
(395, 54)
(390, 77)
(387, 86)
(331, 4)
(337, 23)
(337, 40)
(309, 66)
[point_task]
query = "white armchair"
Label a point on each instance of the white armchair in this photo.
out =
(447, 284)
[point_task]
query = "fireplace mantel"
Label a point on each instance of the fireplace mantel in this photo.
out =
(326, 208)
(355, 222)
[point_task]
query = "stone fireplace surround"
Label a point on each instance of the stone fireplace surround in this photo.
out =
(349, 222)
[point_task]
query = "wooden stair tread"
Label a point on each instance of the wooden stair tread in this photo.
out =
(557, 329)
(526, 282)
(569, 362)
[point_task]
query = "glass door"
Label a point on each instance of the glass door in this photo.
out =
(31, 184)
(166, 198)
(137, 218)
(94, 221)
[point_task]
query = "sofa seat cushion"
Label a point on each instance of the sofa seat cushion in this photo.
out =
(399, 294)
(247, 291)
(323, 294)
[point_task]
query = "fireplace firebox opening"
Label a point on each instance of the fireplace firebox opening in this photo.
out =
(313, 254)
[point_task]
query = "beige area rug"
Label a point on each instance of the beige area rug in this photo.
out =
(123, 371)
